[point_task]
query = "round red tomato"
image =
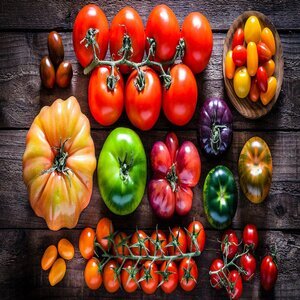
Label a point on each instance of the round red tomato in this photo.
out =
(236, 289)
(163, 27)
(105, 105)
(198, 38)
(149, 277)
(250, 236)
(86, 242)
(248, 263)
(90, 16)
(127, 21)
(129, 277)
(180, 99)
(141, 240)
(168, 276)
(196, 234)
(215, 280)
(178, 240)
(188, 274)
(158, 243)
(268, 273)
(239, 55)
(143, 106)
(230, 243)
(110, 278)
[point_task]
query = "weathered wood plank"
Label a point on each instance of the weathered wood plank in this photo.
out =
(280, 210)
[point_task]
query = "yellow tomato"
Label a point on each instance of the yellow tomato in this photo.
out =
(57, 271)
(269, 94)
(241, 82)
(65, 249)
(268, 38)
(49, 257)
(229, 65)
(269, 67)
(252, 30)
(252, 58)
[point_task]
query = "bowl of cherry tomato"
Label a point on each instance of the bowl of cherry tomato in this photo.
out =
(253, 64)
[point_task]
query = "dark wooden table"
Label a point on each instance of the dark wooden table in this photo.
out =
(24, 26)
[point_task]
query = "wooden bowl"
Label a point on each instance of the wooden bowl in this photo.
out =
(246, 107)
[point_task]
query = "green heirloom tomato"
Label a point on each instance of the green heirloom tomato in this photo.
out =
(220, 197)
(122, 171)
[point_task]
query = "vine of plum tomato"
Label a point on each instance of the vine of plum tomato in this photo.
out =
(252, 30)
(264, 53)
(49, 257)
(215, 281)
(163, 27)
(241, 82)
(196, 233)
(110, 277)
(105, 105)
(177, 237)
(158, 243)
(250, 236)
(65, 249)
(104, 229)
(150, 277)
(127, 21)
(262, 79)
(90, 16)
(129, 277)
(239, 55)
(188, 274)
(141, 240)
(180, 99)
(229, 65)
(235, 290)
(57, 271)
(267, 37)
(252, 59)
(92, 274)
(268, 272)
(86, 242)
(238, 38)
(248, 263)
(229, 243)
(120, 241)
(270, 67)
(168, 276)
(198, 39)
(270, 93)
(143, 107)
(254, 90)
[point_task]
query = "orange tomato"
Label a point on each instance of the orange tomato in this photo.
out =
(140, 238)
(92, 274)
(270, 93)
(104, 229)
(65, 249)
(110, 280)
(129, 277)
(252, 58)
(229, 65)
(269, 67)
(121, 240)
(86, 242)
(268, 38)
(57, 271)
(49, 257)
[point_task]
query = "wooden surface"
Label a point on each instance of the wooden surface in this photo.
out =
(24, 26)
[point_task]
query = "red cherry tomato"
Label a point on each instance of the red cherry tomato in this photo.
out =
(238, 38)
(248, 263)
(150, 277)
(264, 53)
(250, 236)
(215, 281)
(239, 55)
(177, 237)
(230, 243)
(129, 277)
(168, 277)
(262, 79)
(236, 289)
(268, 273)
(188, 274)
(141, 239)
(254, 90)
(158, 243)
(196, 233)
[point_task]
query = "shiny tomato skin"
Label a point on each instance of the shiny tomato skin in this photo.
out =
(216, 265)
(250, 236)
(57, 271)
(104, 229)
(110, 281)
(239, 55)
(267, 37)
(238, 38)
(179, 101)
(86, 243)
(254, 90)
(270, 93)
(198, 38)
(49, 257)
(196, 229)
(248, 263)
(92, 274)
(189, 265)
(229, 65)
(171, 281)
(139, 250)
(178, 234)
(129, 285)
(229, 243)
(268, 273)
(90, 16)
(242, 82)
(270, 67)
(264, 53)
(65, 249)
(149, 285)
(262, 79)
(237, 289)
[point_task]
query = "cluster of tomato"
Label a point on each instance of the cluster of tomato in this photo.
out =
(140, 260)
(143, 105)
(254, 75)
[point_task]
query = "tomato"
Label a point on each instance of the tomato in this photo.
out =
(143, 107)
(198, 39)
(215, 279)
(47, 73)
(65, 249)
(252, 58)
(188, 274)
(105, 105)
(254, 90)
(149, 277)
(239, 55)
(269, 67)
(195, 236)
(141, 240)
(90, 16)
(252, 30)
(57, 272)
(229, 244)
(248, 263)
(110, 277)
(241, 82)
(55, 48)
(264, 53)
(158, 243)
(59, 163)
(268, 272)
(168, 277)
(238, 38)
(250, 236)
(180, 99)
(235, 290)
(64, 74)
(270, 93)
(163, 27)
(121, 245)
(267, 37)
(122, 171)
(127, 21)
(92, 274)
(104, 230)
(255, 169)
(49, 257)
(262, 79)
(86, 243)
(177, 239)
(229, 65)
(129, 277)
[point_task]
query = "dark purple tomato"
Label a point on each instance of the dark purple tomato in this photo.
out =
(47, 73)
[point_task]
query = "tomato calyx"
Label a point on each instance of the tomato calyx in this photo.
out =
(90, 38)
(172, 177)
(165, 274)
(125, 166)
(187, 276)
(132, 274)
(216, 137)
(147, 273)
(175, 241)
(194, 236)
(140, 244)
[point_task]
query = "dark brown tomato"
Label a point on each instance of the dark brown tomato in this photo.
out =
(47, 73)
(55, 48)
(64, 74)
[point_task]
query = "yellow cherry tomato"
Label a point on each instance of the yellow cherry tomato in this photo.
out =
(269, 67)
(252, 30)
(269, 94)
(57, 271)
(49, 257)
(65, 249)
(241, 82)
(252, 58)
(229, 65)
(268, 38)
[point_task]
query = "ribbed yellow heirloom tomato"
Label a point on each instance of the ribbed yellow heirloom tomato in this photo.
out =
(59, 162)
(241, 82)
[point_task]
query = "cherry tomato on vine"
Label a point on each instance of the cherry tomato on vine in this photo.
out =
(129, 277)
(140, 238)
(238, 38)
(169, 277)
(215, 281)
(104, 229)
(188, 274)
(121, 240)
(264, 53)
(254, 90)
(86, 243)
(239, 55)
(250, 236)
(149, 274)
(196, 233)
(248, 263)
(158, 238)
(90, 16)
(92, 274)
(177, 237)
(65, 249)
(262, 79)
(49, 257)
(268, 272)
(229, 65)
(110, 278)
(235, 290)
(229, 243)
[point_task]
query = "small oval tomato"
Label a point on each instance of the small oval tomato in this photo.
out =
(250, 236)
(268, 272)
(178, 240)
(49, 257)
(254, 90)
(47, 73)
(235, 290)
(104, 229)
(262, 79)
(229, 243)
(267, 37)
(229, 65)
(215, 280)
(252, 59)
(238, 38)
(196, 236)
(55, 48)
(239, 55)
(86, 243)
(92, 274)
(141, 240)
(120, 242)
(252, 30)
(64, 74)
(158, 243)
(270, 93)
(241, 82)
(149, 277)
(248, 263)
(129, 277)
(188, 274)
(264, 53)
(168, 277)
(269, 67)
(57, 271)
(110, 277)
(65, 249)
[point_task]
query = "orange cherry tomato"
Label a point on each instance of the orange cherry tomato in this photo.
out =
(241, 82)
(269, 67)
(86, 242)
(264, 53)
(121, 239)
(140, 238)
(65, 249)
(49, 257)
(92, 274)
(252, 30)
(254, 90)
(129, 277)
(270, 93)
(104, 229)
(252, 58)
(57, 271)
(268, 38)
(110, 279)
(229, 65)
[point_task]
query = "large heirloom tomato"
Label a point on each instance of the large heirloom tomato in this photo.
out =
(58, 163)
(176, 171)
(255, 169)
(220, 197)
(122, 171)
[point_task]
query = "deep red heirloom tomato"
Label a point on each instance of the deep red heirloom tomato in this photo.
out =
(176, 171)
